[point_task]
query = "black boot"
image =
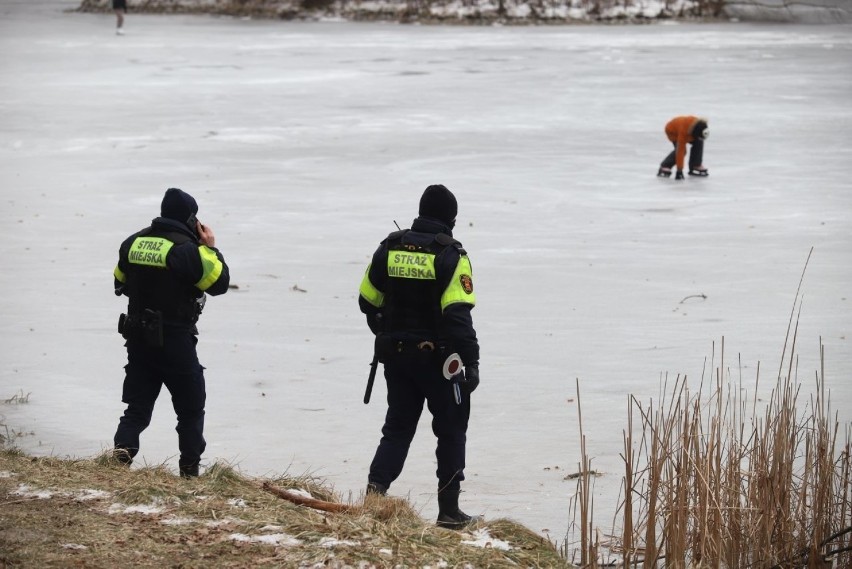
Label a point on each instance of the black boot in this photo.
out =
(449, 514)
(188, 470)
(122, 456)
(376, 488)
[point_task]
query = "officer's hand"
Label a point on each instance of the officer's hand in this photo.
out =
(205, 234)
(471, 378)
(679, 175)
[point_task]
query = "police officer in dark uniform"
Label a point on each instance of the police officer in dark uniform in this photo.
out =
(417, 295)
(166, 270)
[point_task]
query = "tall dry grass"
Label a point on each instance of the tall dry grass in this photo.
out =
(715, 479)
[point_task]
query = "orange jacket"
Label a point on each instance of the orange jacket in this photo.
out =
(679, 131)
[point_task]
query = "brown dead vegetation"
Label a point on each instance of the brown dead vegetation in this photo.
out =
(96, 513)
(719, 478)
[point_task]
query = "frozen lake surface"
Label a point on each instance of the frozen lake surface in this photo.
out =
(303, 142)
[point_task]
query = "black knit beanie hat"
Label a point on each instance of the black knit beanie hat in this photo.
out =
(439, 203)
(178, 205)
(700, 129)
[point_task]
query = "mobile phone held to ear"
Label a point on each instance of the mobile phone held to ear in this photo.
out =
(192, 223)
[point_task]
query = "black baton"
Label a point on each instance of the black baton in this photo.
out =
(373, 366)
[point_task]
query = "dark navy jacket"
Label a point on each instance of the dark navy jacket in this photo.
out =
(419, 304)
(164, 268)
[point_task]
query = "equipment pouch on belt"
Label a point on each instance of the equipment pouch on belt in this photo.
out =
(147, 326)
(385, 347)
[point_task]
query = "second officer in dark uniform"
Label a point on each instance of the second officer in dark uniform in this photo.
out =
(165, 271)
(417, 295)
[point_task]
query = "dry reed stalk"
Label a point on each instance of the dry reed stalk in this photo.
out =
(710, 484)
(771, 498)
(589, 552)
(720, 489)
(629, 457)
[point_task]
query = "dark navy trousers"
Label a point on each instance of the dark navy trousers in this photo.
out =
(696, 155)
(176, 366)
(412, 379)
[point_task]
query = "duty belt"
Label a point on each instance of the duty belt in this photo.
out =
(402, 346)
(146, 325)
(387, 346)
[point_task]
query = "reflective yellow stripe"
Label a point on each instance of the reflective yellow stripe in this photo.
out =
(460, 288)
(409, 265)
(119, 275)
(150, 251)
(370, 293)
(211, 268)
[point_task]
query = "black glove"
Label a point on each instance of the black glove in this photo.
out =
(679, 175)
(374, 321)
(470, 379)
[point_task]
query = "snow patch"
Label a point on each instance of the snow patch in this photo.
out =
(222, 522)
(87, 494)
(278, 539)
(177, 521)
(26, 491)
(481, 538)
(300, 492)
(147, 509)
(330, 542)
(75, 546)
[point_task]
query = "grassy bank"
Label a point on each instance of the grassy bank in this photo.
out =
(96, 513)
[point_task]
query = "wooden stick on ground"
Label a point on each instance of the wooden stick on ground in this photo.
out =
(334, 507)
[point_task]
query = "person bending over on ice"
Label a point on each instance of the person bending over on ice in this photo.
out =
(165, 271)
(682, 131)
(417, 294)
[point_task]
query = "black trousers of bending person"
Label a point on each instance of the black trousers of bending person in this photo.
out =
(176, 366)
(412, 379)
(696, 155)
